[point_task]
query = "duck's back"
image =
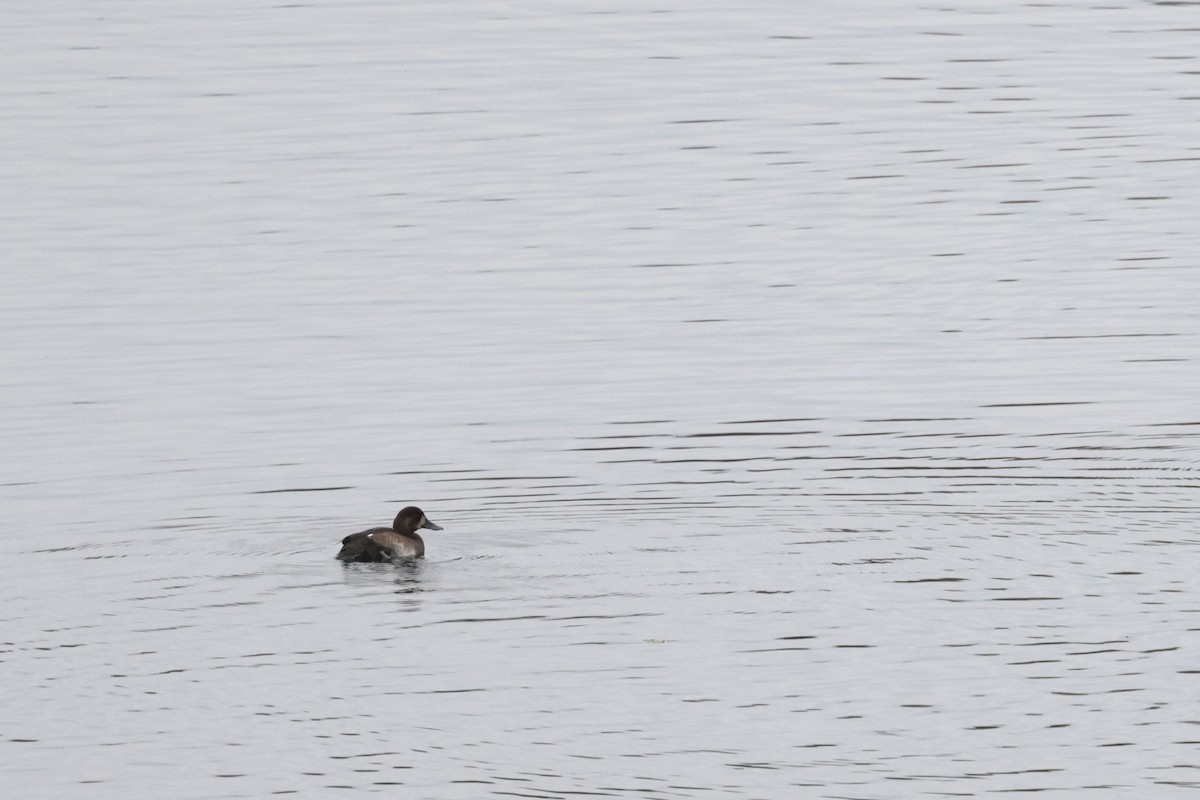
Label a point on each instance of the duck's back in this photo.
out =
(360, 547)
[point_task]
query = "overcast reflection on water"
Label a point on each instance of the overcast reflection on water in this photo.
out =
(807, 394)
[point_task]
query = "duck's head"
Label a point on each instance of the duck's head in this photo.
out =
(410, 519)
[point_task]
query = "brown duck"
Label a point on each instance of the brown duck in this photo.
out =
(386, 544)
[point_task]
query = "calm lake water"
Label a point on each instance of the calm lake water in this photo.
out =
(808, 393)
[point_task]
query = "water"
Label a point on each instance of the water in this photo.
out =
(807, 395)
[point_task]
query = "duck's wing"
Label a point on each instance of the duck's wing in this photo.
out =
(360, 547)
(398, 545)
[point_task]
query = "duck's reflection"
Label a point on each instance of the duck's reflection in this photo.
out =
(405, 576)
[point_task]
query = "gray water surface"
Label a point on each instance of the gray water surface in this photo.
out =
(808, 393)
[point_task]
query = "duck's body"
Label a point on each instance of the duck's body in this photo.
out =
(386, 544)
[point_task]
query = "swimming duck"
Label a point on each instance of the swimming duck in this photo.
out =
(384, 544)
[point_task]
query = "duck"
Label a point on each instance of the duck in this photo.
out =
(387, 544)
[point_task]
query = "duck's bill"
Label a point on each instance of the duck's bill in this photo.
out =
(430, 525)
